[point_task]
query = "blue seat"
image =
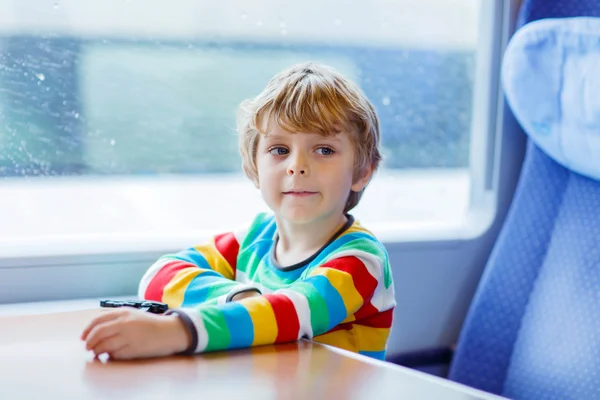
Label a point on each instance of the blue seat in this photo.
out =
(533, 328)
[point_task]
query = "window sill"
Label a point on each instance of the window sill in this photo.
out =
(133, 218)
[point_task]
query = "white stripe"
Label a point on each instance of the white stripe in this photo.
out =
(222, 299)
(242, 277)
(373, 263)
(150, 274)
(240, 235)
(302, 310)
(384, 298)
(200, 328)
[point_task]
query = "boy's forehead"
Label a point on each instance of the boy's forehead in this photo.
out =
(275, 131)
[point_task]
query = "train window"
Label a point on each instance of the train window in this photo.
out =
(118, 116)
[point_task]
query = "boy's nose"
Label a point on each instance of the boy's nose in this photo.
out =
(295, 170)
(297, 166)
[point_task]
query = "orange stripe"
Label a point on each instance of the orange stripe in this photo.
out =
(215, 260)
(228, 246)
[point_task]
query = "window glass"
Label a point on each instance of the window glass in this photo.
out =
(84, 90)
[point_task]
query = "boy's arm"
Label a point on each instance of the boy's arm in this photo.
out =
(199, 275)
(310, 307)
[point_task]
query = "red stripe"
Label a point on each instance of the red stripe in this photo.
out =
(366, 311)
(380, 320)
(363, 281)
(286, 316)
(229, 248)
(156, 288)
(342, 327)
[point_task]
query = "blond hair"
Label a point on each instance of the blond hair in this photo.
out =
(311, 98)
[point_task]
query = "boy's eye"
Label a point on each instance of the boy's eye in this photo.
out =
(325, 151)
(278, 151)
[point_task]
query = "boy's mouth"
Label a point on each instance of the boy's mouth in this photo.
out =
(299, 193)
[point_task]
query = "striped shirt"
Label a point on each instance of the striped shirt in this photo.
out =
(343, 295)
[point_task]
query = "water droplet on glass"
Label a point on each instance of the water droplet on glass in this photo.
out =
(64, 102)
(386, 101)
(283, 32)
(41, 77)
(244, 16)
(337, 22)
(112, 142)
(259, 23)
(282, 24)
(25, 74)
(56, 5)
(76, 115)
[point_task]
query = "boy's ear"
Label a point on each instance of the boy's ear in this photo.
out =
(363, 180)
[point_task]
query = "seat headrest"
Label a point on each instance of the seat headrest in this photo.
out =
(551, 78)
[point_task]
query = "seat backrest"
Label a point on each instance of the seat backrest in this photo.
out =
(533, 328)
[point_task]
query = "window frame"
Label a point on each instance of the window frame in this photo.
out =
(27, 275)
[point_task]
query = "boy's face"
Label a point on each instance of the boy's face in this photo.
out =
(305, 177)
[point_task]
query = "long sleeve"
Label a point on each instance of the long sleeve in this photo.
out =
(329, 295)
(200, 275)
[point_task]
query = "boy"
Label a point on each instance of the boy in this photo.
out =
(309, 142)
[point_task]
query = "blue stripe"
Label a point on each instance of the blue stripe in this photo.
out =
(198, 290)
(239, 324)
(264, 230)
(192, 256)
(380, 355)
(335, 304)
(339, 242)
(288, 276)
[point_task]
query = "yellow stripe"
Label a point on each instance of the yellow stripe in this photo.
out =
(356, 227)
(359, 338)
(175, 290)
(215, 259)
(350, 318)
(371, 339)
(343, 339)
(263, 319)
(344, 284)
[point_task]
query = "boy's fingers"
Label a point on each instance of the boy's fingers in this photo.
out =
(102, 332)
(99, 320)
(124, 353)
(109, 345)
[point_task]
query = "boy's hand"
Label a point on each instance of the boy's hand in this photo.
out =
(129, 333)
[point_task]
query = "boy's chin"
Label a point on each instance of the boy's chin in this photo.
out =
(299, 216)
(302, 216)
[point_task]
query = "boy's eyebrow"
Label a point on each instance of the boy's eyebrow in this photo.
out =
(274, 137)
(334, 138)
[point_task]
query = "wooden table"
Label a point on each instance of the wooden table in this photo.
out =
(41, 357)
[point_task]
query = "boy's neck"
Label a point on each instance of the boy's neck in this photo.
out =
(297, 242)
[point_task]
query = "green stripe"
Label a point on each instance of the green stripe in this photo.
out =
(249, 262)
(258, 224)
(273, 280)
(387, 274)
(216, 326)
(221, 289)
(319, 317)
